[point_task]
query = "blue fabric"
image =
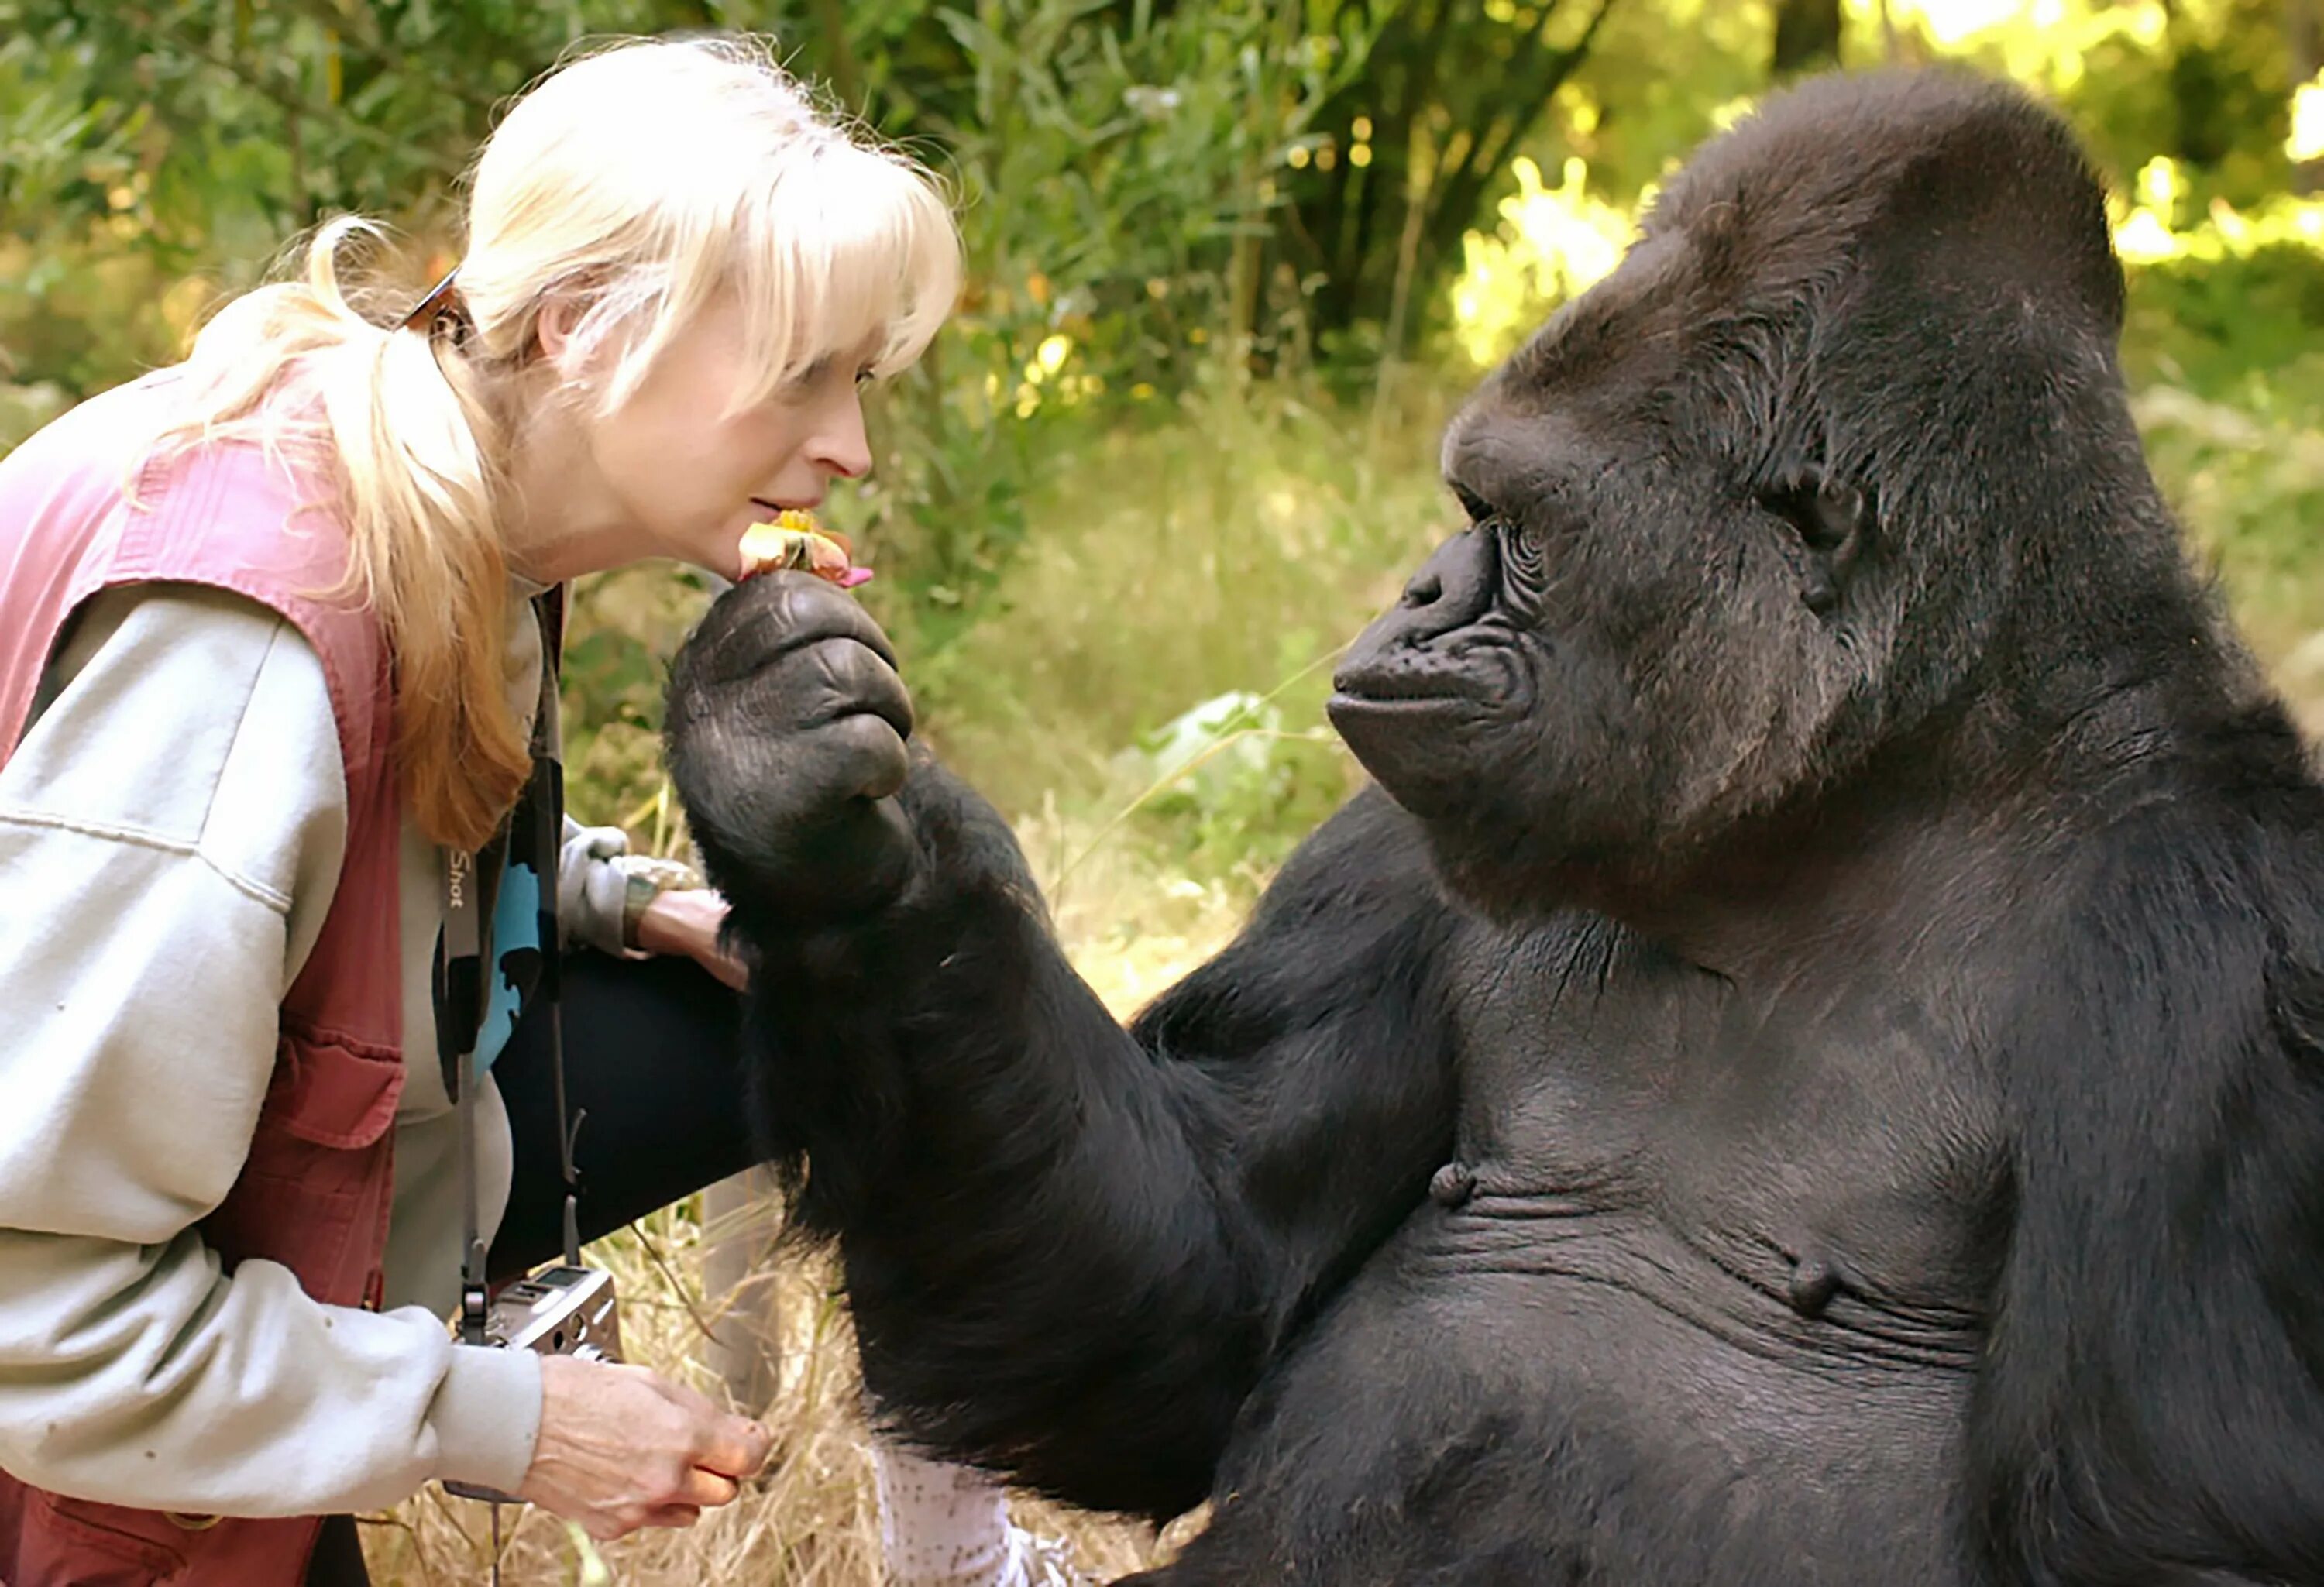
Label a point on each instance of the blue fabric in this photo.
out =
(516, 953)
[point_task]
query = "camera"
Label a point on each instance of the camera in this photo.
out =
(558, 1311)
(561, 1310)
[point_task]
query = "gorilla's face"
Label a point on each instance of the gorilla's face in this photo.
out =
(1782, 497)
(1660, 605)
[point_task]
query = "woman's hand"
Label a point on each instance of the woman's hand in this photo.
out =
(686, 921)
(620, 1448)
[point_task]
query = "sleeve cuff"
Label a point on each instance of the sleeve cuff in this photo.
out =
(592, 882)
(487, 1416)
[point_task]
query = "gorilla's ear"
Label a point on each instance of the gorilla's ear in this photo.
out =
(1834, 521)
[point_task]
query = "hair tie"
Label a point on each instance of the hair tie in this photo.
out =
(441, 309)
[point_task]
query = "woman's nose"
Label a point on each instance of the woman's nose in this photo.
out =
(841, 445)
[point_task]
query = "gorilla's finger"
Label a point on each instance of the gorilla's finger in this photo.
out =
(868, 755)
(756, 622)
(848, 679)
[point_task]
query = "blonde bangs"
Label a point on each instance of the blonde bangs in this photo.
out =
(731, 181)
(850, 253)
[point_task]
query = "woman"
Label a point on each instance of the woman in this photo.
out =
(268, 652)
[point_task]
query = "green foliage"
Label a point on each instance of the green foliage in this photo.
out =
(1228, 549)
(1129, 482)
(622, 628)
(1104, 165)
(2230, 367)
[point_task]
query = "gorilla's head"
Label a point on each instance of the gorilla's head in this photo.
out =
(1837, 452)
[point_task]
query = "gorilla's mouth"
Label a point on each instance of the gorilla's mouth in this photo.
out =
(1357, 717)
(1485, 679)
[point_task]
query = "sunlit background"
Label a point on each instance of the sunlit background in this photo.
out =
(1232, 263)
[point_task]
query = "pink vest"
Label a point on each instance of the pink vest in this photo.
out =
(314, 1193)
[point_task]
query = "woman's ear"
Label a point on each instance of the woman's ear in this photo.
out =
(553, 328)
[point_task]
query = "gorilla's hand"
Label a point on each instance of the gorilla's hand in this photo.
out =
(787, 729)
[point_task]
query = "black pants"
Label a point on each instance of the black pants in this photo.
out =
(652, 1063)
(652, 1066)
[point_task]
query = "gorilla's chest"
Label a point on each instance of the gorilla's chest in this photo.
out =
(1774, 1155)
(1723, 1259)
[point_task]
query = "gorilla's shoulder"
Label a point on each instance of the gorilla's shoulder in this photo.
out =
(1371, 852)
(2211, 884)
(1358, 903)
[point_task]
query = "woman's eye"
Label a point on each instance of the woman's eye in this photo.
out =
(865, 376)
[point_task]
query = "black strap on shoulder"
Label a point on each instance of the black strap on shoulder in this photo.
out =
(463, 984)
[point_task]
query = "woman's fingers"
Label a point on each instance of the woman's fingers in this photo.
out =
(731, 1446)
(620, 1448)
(707, 1490)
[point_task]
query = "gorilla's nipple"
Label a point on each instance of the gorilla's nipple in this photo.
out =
(1818, 1278)
(1452, 1185)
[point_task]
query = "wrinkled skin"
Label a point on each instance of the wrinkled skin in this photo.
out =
(1806, 1068)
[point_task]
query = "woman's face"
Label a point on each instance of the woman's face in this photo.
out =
(680, 476)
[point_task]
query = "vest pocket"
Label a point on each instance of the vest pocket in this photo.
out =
(46, 1540)
(86, 1544)
(314, 1194)
(332, 1091)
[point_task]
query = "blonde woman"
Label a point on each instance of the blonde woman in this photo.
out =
(269, 652)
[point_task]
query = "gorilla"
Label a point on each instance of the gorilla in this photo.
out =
(1807, 1064)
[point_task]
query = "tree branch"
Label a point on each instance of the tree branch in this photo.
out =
(358, 22)
(264, 85)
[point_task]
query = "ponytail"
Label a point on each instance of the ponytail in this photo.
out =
(641, 180)
(399, 415)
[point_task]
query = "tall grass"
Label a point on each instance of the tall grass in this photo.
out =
(1227, 550)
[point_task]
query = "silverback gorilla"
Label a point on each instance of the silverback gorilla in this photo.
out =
(1807, 1068)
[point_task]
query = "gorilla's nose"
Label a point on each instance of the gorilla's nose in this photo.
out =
(1453, 588)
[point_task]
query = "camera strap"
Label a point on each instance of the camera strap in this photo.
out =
(472, 987)
(459, 1016)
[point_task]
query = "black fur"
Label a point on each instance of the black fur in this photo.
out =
(1810, 1070)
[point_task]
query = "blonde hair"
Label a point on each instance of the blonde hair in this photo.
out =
(641, 181)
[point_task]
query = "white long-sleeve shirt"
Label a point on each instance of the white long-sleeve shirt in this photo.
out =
(171, 827)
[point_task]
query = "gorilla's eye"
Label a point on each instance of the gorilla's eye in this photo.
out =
(1520, 553)
(1479, 510)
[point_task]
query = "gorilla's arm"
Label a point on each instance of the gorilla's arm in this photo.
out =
(2149, 1410)
(1071, 1249)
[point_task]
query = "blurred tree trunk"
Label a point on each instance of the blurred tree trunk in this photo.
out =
(2303, 25)
(1448, 92)
(1807, 37)
(739, 1224)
